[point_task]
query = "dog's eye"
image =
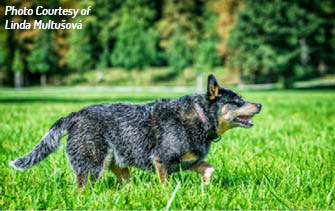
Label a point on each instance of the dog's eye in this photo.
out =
(238, 102)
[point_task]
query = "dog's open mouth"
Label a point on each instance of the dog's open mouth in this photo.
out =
(244, 121)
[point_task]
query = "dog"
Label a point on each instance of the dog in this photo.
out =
(163, 136)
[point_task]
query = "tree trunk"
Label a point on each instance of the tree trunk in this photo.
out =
(18, 79)
(43, 79)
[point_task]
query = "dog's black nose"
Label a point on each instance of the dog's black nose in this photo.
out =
(259, 106)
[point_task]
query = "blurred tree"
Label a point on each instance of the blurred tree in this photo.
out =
(102, 63)
(25, 39)
(179, 53)
(273, 40)
(136, 42)
(18, 40)
(83, 51)
(278, 40)
(227, 15)
(3, 55)
(123, 33)
(135, 47)
(326, 48)
(206, 54)
(103, 59)
(190, 25)
(79, 56)
(18, 68)
(109, 19)
(182, 16)
(41, 58)
(60, 37)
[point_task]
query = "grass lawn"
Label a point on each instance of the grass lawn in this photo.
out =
(286, 161)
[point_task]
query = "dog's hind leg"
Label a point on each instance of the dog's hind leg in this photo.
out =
(92, 170)
(206, 170)
(120, 173)
(87, 157)
(88, 171)
(81, 180)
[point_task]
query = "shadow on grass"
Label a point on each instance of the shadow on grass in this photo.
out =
(77, 100)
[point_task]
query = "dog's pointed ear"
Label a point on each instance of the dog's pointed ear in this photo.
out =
(212, 87)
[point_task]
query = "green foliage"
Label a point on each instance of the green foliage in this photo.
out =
(143, 10)
(179, 54)
(41, 58)
(103, 59)
(135, 47)
(180, 30)
(272, 166)
(278, 40)
(79, 56)
(206, 53)
(83, 45)
(275, 40)
(180, 17)
(18, 65)
(3, 52)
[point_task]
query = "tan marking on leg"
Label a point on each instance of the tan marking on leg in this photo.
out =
(121, 173)
(160, 169)
(103, 166)
(206, 170)
(189, 157)
(81, 182)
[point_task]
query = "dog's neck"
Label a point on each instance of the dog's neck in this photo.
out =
(201, 113)
(212, 135)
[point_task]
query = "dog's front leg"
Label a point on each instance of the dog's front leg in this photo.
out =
(206, 170)
(121, 173)
(161, 170)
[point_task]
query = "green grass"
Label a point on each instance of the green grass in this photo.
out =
(287, 161)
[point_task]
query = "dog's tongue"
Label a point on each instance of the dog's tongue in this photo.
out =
(245, 117)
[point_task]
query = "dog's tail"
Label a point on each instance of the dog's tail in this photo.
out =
(48, 144)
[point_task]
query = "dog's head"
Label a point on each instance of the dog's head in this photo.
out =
(231, 110)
